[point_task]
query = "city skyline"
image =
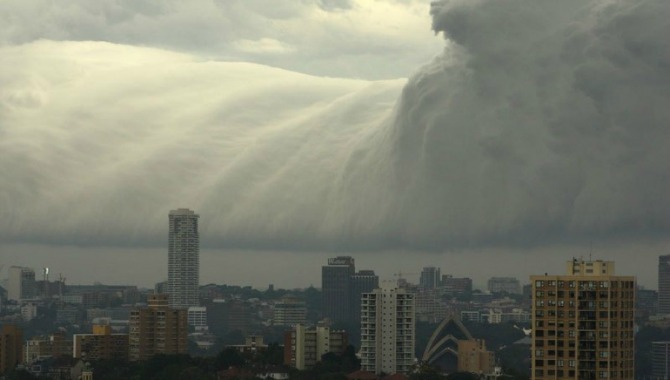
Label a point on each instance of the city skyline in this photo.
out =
(407, 134)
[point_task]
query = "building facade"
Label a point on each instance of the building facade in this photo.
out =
(336, 287)
(363, 281)
(303, 346)
(183, 259)
(660, 360)
(157, 329)
(21, 283)
(387, 330)
(100, 345)
(290, 311)
(583, 323)
(473, 357)
(11, 347)
(664, 284)
(508, 285)
(430, 278)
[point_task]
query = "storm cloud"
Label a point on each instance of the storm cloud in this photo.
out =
(541, 121)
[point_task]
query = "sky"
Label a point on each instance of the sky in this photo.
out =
(488, 137)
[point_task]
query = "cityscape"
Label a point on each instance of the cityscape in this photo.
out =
(586, 321)
(334, 190)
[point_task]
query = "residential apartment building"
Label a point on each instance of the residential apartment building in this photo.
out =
(100, 345)
(157, 329)
(303, 346)
(473, 357)
(583, 323)
(387, 330)
(183, 259)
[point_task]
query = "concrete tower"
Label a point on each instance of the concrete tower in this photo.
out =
(183, 259)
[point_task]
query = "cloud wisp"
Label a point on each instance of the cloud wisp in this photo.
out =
(542, 121)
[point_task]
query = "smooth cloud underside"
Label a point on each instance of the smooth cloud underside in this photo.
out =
(542, 121)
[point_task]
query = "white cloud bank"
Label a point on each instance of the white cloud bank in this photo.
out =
(543, 121)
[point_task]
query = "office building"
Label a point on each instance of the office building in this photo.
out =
(183, 259)
(456, 285)
(157, 329)
(664, 284)
(342, 287)
(430, 278)
(387, 330)
(336, 287)
(660, 360)
(11, 347)
(100, 345)
(303, 346)
(290, 311)
(197, 318)
(583, 323)
(509, 285)
(21, 284)
(363, 281)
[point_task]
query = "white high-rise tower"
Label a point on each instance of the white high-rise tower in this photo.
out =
(387, 330)
(183, 259)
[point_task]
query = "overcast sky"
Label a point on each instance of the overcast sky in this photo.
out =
(515, 132)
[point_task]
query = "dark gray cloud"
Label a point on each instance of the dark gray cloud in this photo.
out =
(541, 122)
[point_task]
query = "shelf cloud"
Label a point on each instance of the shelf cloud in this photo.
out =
(540, 122)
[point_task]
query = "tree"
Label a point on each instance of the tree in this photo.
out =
(229, 357)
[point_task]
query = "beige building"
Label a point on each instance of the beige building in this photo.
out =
(303, 347)
(157, 329)
(583, 323)
(101, 345)
(473, 357)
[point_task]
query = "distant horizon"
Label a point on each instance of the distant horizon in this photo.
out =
(144, 267)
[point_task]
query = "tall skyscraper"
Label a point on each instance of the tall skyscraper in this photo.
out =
(583, 323)
(336, 287)
(157, 329)
(387, 330)
(430, 278)
(664, 284)
(342, 287)
(183, 259)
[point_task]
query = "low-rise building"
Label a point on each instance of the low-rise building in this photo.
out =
(100, 345)
(303, 347)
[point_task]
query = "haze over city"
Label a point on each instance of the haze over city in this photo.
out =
(506, 139)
